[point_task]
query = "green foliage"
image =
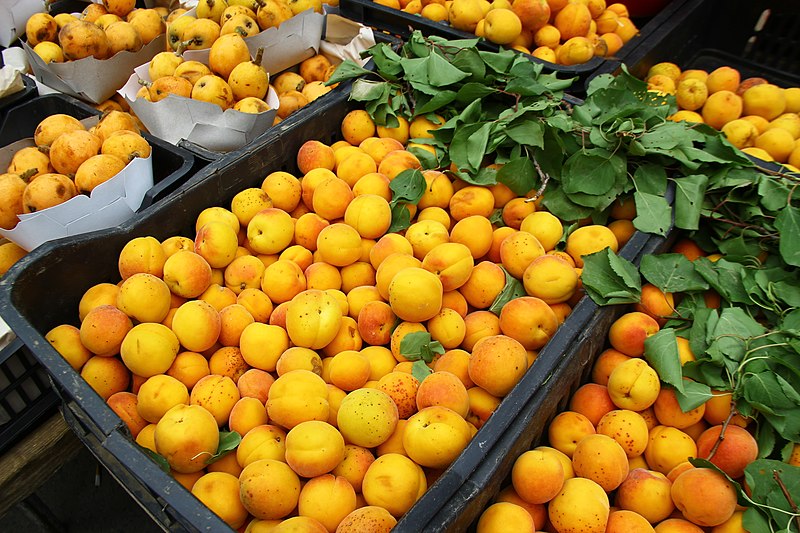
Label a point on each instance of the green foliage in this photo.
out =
(418, 346)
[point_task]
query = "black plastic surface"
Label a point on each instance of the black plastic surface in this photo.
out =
(29, 91)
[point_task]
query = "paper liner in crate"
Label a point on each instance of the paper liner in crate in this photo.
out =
(89, 79)
(14, 14)
(176, 118)
(109, 204)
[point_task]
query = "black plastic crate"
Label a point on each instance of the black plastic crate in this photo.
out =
(566, 374)
(63, 265)
(171, 165)
(399, 22)
(29, 91)
(760, 39)
(26, 396)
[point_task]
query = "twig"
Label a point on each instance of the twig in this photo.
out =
(777, 477)
(544, 177)
(721, 433)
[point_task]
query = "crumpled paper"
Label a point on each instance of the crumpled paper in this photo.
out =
(10, 81)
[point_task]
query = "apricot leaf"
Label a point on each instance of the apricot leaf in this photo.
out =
(661, 351)
(419, 346)
(610, 279)
(672, 273)
(512, 289)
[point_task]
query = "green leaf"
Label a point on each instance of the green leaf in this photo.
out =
(773, 192)
(661, 351)
(650, 178)
(653, 213)
(476, 145)
(418, 346)
(460, 146)
(442, 73)
(512, 289)
(365, 90)
(610, 279)
(387, 61)
(724, 277)
(694, 395)
(765, 490)
(435, 103)
(471, 91)
(426, 159)
(689, 194)
(672, 272)
(591, 172)
(788, 224)
(518, 175)
(401, 218)
(228, 441)
(525, 131)
(420, 370)
(346, 70)
(485, 177)
(407, 187)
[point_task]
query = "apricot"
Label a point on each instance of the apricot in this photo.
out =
(298, 396)
(567, 429)
(581, 506)
(266, 441)
(435, 436)
(394, 482)
(628, 428)
(314, 448)
(269, 489)
(367, 417)
(368, 518)
(537, 476)
(600, 458)
(737, 448)
(219, 491)
(704, 496)
(646, 492)
(328, 499)
(633, 385)
(668, 447)
(187, 436)
(497, 363)
(505, 516)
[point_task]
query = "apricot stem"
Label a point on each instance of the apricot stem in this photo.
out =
(259, 56)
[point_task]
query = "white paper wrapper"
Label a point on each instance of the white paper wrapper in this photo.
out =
(109, 204)
(13, 16)
(206, 125)
(91, 79)
(10, 81)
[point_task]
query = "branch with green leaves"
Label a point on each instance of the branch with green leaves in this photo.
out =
(749, 346)
(506, 121)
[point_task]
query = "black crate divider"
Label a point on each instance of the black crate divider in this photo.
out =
(566, 374)
(31, 282)
(26, 396)
(401, 23)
